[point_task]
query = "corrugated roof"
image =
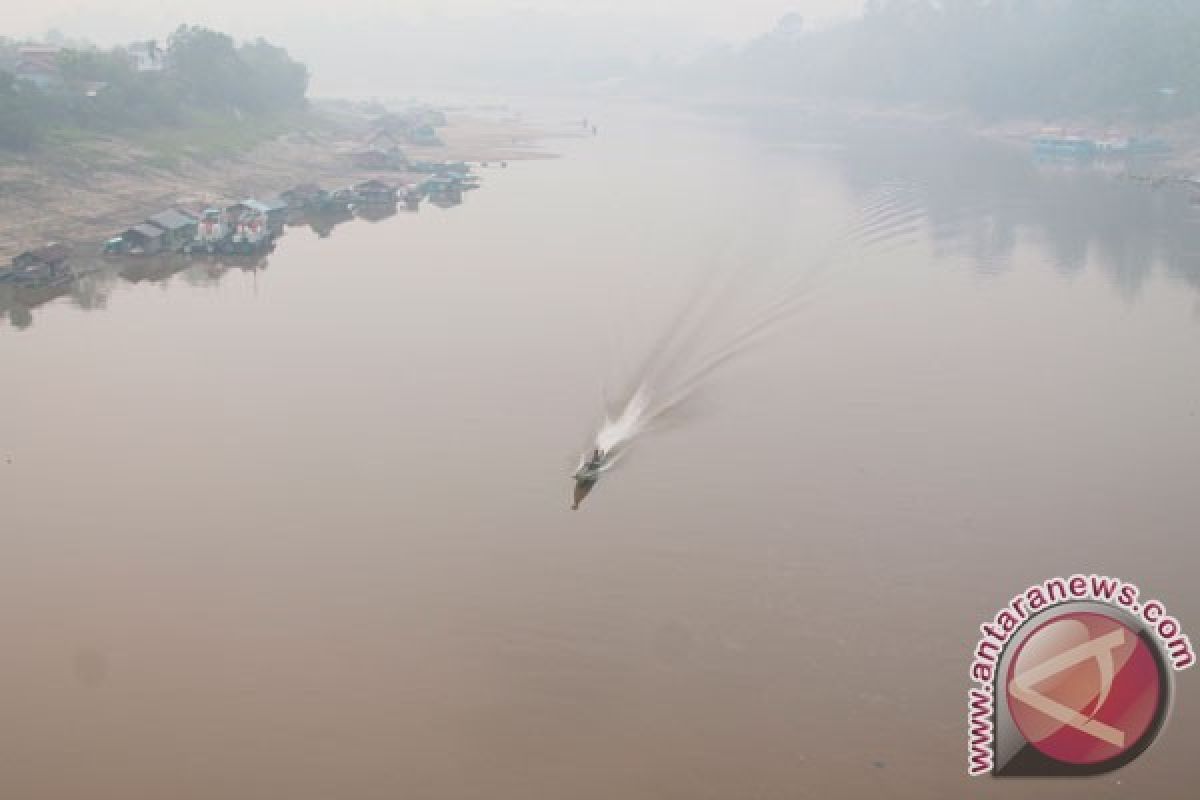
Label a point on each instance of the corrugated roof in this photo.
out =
(256, 205)
(147, 230)
(171, 220)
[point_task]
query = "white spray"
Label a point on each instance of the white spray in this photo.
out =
(692, 348)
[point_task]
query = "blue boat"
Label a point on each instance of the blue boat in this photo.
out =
(1051, 144)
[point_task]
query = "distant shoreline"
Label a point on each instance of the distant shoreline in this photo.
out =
(1183, 134)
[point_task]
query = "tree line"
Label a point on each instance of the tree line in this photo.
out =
(997, 57)
(102, 90)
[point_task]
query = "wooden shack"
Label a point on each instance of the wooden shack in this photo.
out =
(374, 191)
(275, 208)
(45, 264)
(179, 229)
(273, 211)
(49, 255)
(144, 239)
(250, 226)
(212, 229)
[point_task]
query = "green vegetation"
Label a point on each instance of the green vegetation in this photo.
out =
(996, 57)
(18, 114)
(213, 135)
(207, 82)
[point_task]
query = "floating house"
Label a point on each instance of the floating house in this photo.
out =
(179, 229)
(275, 208)
(49, 255)
(1055, 144)
(212, 229)
(144, 239)
(1050, 143)
(304, 196)
(442, 184)
(41, 266)
(374, 191)
(250, 224)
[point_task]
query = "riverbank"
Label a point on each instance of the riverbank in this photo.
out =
(81, 190)
(1183, 135)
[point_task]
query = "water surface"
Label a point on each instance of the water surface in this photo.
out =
(300, 529)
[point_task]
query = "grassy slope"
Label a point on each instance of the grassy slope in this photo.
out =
(206, 136)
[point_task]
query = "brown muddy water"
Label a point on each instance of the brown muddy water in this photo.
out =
(303, 531)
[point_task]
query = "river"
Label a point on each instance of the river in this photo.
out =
(303, 530)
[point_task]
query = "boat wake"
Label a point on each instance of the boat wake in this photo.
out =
(708, 331)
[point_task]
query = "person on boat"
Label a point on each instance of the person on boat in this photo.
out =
(587, 476)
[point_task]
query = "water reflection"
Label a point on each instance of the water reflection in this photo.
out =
(153, 269)
(970, 197)
(375, 212)
(980, 199)
(265, 527)
(322, 223)
(447, 199)
(94, 278)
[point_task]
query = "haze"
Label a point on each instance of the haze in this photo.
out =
(349, 45)
(715, 18)
(579, 399)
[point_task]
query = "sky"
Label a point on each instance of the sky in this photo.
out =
(119, 19)
(376, 47)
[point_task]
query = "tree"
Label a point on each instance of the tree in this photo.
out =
(212, 72)
(102, 89)
(997, 57)
(206, 66)
(275, 80)
(18, 130)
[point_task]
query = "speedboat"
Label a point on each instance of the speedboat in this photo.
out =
(587, 475)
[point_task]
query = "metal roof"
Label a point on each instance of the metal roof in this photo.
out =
(256, 205)
(147, 230)
(171, 220)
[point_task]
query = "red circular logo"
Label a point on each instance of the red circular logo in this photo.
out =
(1084, 688)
